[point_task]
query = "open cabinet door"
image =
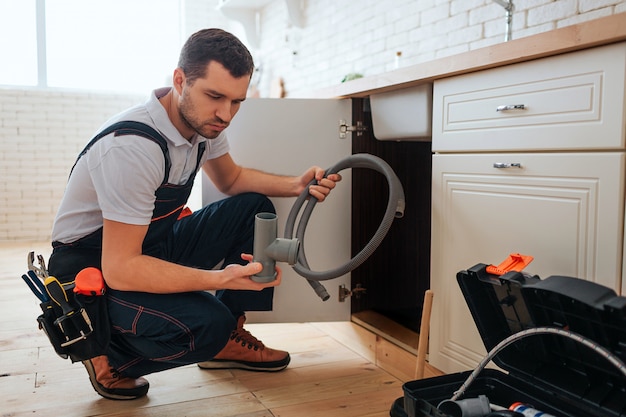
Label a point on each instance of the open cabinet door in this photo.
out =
(287, 136)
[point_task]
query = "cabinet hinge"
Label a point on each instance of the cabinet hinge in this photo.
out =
(344, 129)
(346, 293)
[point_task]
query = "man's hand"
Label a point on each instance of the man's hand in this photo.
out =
(324, 185)
(239, 277)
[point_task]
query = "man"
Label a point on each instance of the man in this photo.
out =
(121, 213)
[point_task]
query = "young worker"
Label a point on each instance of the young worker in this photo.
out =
(121, 213)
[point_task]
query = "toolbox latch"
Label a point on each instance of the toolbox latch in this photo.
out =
(515, 262)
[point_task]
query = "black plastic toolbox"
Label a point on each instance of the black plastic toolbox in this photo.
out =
(581, 375)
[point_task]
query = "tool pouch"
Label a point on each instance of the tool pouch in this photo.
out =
(81, 335)
(54, 332)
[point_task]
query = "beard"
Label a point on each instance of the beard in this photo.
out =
(192, 121)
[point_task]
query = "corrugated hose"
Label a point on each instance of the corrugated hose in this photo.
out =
(395, 209)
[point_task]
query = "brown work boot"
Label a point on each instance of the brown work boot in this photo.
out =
(110, 384)
(244, 351)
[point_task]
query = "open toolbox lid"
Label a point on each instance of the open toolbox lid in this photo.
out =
(502, 305)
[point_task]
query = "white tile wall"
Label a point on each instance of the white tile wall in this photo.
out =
(41, 131)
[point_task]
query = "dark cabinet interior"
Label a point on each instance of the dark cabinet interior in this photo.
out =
(396, 276)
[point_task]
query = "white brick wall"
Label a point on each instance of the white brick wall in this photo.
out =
(342, 36)
(41, 131)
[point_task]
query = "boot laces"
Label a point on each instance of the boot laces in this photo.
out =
(244, 337)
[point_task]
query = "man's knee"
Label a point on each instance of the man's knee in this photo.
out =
(257, 203)
(213, 334)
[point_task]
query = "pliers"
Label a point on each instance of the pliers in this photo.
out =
(40, 271)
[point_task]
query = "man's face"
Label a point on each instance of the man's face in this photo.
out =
(208, 104)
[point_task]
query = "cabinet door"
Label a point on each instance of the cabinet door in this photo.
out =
(566, 210)
(287, 136)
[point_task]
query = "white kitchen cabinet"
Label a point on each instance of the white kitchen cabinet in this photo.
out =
(546, 180)
(287, 136)
(566, 210)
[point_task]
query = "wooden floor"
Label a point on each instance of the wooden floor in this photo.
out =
(337, 369)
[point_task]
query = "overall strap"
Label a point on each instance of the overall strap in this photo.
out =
(129, 127)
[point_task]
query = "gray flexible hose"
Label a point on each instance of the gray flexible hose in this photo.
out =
(395, 209)
(608, 355)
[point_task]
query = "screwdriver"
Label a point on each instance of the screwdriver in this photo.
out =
(57, 294)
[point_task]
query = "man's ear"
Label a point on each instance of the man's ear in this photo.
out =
(178, 80)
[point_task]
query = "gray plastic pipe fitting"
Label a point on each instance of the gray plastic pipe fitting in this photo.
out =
(470, 407)
(267, 248)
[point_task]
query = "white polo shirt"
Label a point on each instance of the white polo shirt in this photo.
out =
(117, 178)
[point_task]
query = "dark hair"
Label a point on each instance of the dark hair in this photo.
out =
(217, 45)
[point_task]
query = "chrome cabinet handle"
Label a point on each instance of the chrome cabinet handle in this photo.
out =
(506, 107)
(502, 165)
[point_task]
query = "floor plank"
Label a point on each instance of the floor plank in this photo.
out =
(307, 375)
(329, 388)
(368, 404)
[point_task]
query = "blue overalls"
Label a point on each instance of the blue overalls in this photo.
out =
(154, 332)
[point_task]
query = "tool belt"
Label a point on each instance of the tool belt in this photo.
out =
(84, 333)
(74, 314)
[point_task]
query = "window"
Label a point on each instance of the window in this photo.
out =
(111, 45)
(18, 42)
